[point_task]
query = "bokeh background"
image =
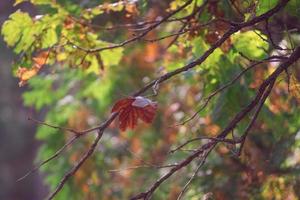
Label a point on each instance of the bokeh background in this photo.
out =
(18, 147)
(269, 166)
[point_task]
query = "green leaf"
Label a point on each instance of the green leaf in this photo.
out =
(99, 90)
(250, 44)
(293, 8)
(42, 93)
(112, 57)
(27, 38)
(49, 38)
(199, 47)
(94, 65)
(265, 5)
(15, 26)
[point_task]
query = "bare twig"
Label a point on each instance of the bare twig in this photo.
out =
(57, 153)
(200, 164)
(260, 105)
(138, 36)
(235, 27)
(232, 124)
(210, 145)
(230, 83)
(77, 132)
(53, 126)
(143, 166)
(230, 141)
(88, 153)
(177, 34)
(77, 166)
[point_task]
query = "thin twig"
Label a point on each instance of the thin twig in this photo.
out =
(230, 83)
(53, 126)
(230, 141)
(260, 105)
(57, 153)
(138, 36)
(77, 132)
(210, 145)
(143, 166)
(232, 124)
(235, 27)
(177, 34)
(88, 153)
(200, 164)
(77, 166)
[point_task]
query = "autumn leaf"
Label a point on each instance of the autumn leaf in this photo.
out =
(24, 74)
(41, 58)
(133, 108)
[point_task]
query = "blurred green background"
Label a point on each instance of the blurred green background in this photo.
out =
(18, 147)
(76, 94)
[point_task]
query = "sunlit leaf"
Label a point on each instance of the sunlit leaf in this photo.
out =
(15, 27)
(251, 44)
(265, 5)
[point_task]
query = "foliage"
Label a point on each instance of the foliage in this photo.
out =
(75, 84)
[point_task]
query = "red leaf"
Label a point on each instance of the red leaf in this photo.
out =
(121, 104)
(133, 108)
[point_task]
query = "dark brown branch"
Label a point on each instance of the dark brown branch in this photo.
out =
(230, 83)
(134, 26)
(53, 126)
(180, 32)
(77, 132)
(227, 34)
(145, 195)
(176, 36)
(143, 166)
(57, 153)
(209, 145)
(230, 141)
(260, 105)
(88, 153)
(233, 123)
(77, 166)
(200, 164)
(139, 36)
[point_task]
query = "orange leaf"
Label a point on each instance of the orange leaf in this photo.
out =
(25, 74)
(41, 58)
(133, 108)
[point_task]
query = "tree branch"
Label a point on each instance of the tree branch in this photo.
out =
(235, 28)
(230, 83)
(139, 36)
(77, 166)
(210, 145)
(233, 123)
(88, 153)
